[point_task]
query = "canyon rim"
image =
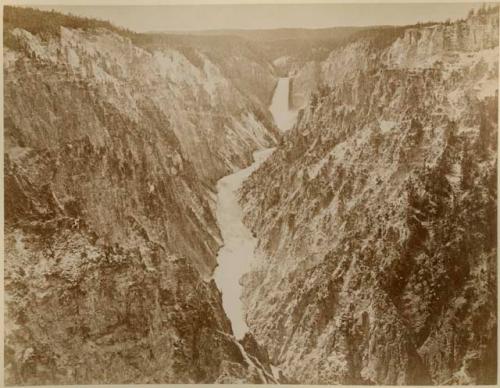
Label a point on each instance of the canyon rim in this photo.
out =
(251, 197)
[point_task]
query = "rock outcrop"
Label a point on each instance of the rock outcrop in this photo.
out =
(376, 217)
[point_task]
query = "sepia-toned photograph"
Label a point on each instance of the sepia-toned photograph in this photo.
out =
(248, 193)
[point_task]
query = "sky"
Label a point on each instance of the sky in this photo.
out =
(267, 16)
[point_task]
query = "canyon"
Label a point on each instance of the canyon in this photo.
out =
(290, 206)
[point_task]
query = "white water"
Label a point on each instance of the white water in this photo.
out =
(283, 116)
(237, 254)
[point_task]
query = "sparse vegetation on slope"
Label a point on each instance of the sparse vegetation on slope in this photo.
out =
(377, 215)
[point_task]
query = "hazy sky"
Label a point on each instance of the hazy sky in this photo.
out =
(202, 17)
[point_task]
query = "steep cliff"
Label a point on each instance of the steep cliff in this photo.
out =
(308, 73)
(376, 217)
(111, 152)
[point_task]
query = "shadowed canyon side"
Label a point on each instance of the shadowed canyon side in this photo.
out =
(376, 217)
(111, 151)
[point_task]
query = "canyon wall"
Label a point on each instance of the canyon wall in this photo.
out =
(376, 217)
(111, 154)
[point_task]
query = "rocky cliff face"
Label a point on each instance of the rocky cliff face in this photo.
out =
(207, 112)
(376, 217)
(82, 313)
(111, 151)
(414, 46)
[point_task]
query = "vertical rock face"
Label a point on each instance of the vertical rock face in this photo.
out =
(217, 125)
(416, 46)
(377, 216)
(110, 234)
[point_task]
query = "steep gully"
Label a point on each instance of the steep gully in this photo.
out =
(235, 257)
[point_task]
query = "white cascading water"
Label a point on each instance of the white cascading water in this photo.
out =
(283, 116)
(235, 257)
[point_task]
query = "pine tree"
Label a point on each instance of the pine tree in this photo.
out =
(483, 140)
(467, 180)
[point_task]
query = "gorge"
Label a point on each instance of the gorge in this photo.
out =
(268, 206)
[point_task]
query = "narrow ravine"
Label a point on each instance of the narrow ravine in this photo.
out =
(235, 257)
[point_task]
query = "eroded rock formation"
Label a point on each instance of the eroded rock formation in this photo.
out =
(111, 152)
(376, 217)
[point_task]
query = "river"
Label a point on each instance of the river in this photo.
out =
(235, 257)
